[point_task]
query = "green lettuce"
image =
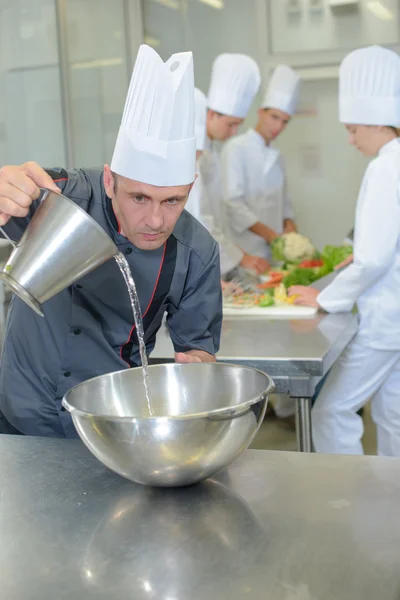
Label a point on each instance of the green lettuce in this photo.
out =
(334, 255)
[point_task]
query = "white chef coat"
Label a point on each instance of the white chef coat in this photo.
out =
(255, 190)
(205, 203)
(370, 366)
(372, 281)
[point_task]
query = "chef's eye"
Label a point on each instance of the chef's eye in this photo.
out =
(172, 201)
(140, 199)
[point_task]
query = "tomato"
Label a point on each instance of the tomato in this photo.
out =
(276, 275)
(310, 264)
(268, 285)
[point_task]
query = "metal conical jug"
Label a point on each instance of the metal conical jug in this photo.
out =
(61, 244)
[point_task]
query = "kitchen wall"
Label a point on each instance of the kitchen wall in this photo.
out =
(64, 71)
(65, 67)
(324, 172)
(31, 122)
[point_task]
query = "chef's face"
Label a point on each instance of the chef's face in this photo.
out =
(368, 139)
(271, 122)
(362, 137)
(221, 127)
(146, 214)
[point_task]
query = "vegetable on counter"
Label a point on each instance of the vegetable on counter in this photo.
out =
(293, 248)
(334, 255)
(310, 264)
(274, 279)
(282, 297)
(266, 300)
(301, 276)
(303, 272)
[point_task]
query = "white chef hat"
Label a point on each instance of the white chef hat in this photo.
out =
(200, 116)
(283, 90)
(235, 79)
(156, 142)
(369, 87)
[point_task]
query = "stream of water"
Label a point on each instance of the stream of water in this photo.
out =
(137, 316)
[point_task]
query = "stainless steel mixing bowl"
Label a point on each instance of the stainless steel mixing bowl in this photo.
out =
(204, 415)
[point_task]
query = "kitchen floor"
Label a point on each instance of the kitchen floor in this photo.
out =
(276, 435)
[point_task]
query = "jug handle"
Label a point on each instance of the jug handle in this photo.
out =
(45, 193)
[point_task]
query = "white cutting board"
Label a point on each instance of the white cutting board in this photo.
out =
(285, 311)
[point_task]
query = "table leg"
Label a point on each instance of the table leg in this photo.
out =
(303, 424)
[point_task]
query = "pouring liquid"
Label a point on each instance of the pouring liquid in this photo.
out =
(137, 316)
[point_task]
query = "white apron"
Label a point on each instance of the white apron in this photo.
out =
(254, 190)
(208, 212)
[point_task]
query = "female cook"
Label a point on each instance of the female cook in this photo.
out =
(369, 106)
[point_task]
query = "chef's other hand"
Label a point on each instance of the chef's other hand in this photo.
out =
(346, 262)
(304, 295)
(230, 288)
(193, 356)
(19, 186)
(255, 263)
(289, 226)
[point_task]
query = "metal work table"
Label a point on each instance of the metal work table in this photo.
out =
(276, 526)
(295, 353)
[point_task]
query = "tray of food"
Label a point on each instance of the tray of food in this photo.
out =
(297, 262)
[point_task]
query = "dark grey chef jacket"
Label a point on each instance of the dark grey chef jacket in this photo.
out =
(87, 329)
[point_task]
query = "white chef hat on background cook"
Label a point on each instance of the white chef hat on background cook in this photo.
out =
(369, 87)
(156, 142)
(200, 116)
(235, 80)
(283, 90)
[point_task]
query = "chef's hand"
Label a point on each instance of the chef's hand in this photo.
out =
(194, 356)
(346, 262)
(230, 288)
(289, 226)
(255, 263)
(304, 295)
(19, 186)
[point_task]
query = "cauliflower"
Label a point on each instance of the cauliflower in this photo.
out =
(293, 248)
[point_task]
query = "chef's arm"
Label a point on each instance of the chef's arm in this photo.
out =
(195, 324)
(264, 231)
(377, 234)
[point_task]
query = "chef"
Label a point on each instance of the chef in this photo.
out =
(139, 201)
(196, 197)
(369, 106)
(193, 204)
(235, 80)
(255, 192)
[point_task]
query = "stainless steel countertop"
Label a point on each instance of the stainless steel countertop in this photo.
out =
(291, 351)
(279, 526)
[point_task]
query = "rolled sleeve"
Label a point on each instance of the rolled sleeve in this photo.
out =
(196, 324)
(239, 214)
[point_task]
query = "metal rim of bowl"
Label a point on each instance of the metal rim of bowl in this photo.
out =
(229, 411)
